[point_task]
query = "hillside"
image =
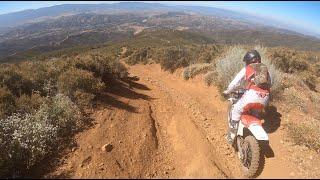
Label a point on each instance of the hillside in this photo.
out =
(134, 90)
(71, 25)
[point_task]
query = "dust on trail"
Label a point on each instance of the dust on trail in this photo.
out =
(161, 126)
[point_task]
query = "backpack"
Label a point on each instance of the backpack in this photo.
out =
(257, 74)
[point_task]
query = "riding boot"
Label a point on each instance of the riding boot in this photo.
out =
(233, 128)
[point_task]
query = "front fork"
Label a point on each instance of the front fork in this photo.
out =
(229, 112)
(239, 143)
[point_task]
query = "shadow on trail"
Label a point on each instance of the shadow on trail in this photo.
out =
(106, 100)
(48, 164)
(272, 122)
(132, 84)
(121, 89)
(272, 119)
(125, 88)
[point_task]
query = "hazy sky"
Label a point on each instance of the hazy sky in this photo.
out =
(303, 14)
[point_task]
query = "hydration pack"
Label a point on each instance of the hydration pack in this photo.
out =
(257, 74)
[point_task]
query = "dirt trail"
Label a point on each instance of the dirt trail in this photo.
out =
(162, 126)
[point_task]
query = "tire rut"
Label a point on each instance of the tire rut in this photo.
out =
(153, 126)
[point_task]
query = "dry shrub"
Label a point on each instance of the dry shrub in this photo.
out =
(83, 99)
(306, 133)
(40, 74)
(138, 56)
(316, 69)
(29, 104)
(311, 81)
(127, 53)
(74, 79)
(7, 102)
(175, 57)
(14, 81)
(295, 99)
(290, 61)
(195, 69)
(116, 69)
(210, 78)
(208, 53)
(228, 67)
(102, 66)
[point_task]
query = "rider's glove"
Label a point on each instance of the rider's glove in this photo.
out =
(225, 93)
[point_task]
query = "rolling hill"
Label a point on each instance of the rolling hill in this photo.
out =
(42, 30)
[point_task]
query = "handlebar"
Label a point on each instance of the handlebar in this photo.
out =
(237, 94)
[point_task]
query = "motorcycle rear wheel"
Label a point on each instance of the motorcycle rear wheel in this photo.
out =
(251, 156)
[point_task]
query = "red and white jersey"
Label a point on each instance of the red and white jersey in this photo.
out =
(243, 75)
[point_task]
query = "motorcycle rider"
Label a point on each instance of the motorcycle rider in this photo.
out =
(258, 83)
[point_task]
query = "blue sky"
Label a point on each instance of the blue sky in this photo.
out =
(303, 15)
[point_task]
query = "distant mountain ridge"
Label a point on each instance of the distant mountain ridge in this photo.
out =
(68, 25)
(21, 17)
(41, 14)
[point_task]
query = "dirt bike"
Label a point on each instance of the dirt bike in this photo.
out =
(250, 137)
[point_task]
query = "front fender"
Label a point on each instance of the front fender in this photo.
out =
(258, 132)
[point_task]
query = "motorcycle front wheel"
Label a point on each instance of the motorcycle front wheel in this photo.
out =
(250, 156)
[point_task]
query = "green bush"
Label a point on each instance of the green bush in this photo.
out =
(62, 113)
(25, 141)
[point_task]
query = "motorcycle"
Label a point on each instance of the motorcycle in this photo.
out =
(250, 137)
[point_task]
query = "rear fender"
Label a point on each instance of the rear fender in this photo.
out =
(258, 132)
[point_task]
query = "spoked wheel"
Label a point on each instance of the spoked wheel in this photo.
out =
(249, 154)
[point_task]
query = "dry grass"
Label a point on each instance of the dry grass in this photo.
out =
(195, 69)
(306, 133)
(295, 99)
(229, 66)
(210, 78)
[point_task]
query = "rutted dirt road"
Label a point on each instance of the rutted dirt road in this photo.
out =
(158, 125)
